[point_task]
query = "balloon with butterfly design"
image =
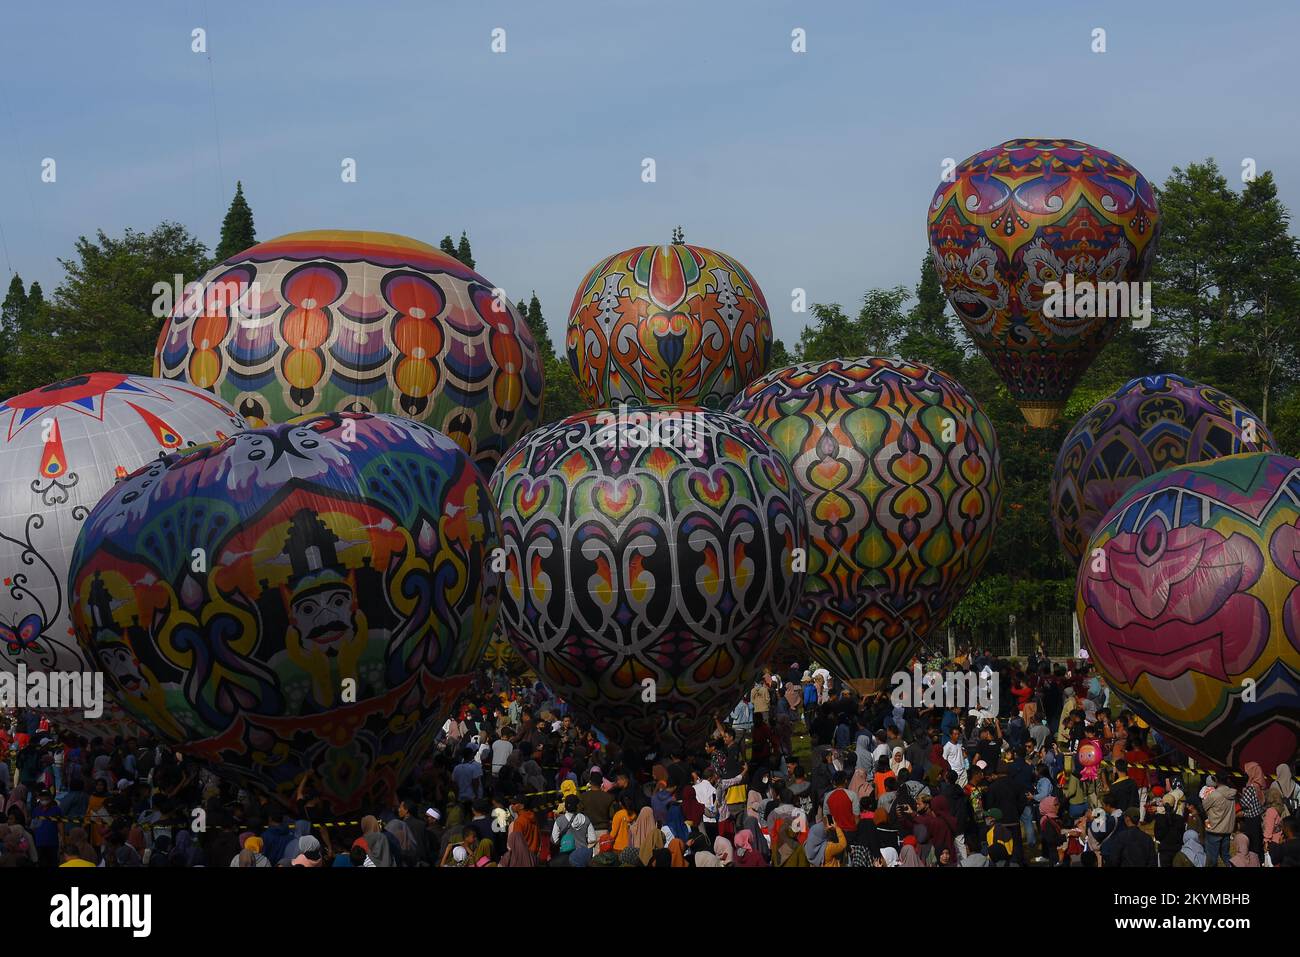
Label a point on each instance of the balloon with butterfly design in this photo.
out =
(62, 447)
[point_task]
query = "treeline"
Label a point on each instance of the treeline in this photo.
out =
(1226, 312)
(1226, 293)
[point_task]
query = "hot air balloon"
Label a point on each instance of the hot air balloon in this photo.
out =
(305, 599)
(337, 321)
(902, 480)
(1150, 423)
(61, 448)
(1041, 247)
(656, 325)
(1189, 602)
(649, 564)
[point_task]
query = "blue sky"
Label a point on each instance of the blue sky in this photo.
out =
(814, 170)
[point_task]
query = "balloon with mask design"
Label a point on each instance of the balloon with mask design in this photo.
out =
(650, 564)
(1042, 247)
(656, 325)
(307, 598)
(61, 448)
(1189, 602)
(343, 321)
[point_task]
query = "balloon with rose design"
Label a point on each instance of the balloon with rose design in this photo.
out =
(657, 325)
(1189, 602)
(650, 564)
(1150, 423)
(349, 321)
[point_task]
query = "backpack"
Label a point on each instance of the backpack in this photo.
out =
(567, 841)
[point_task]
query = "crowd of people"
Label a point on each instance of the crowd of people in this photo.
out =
(804, 772)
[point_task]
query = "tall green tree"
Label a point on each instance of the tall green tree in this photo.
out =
(237, 230)
(102, 315)
(931, 335)
(463, 252)
(448, 246)
(11, 316)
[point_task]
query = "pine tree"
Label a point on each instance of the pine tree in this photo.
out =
(463, 251)
(237, 231)
(537, 326)
(14, 305)
(448, 246)
(11, 312)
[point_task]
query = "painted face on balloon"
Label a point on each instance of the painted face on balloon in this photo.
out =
(978, 292)
(324, 619)
(119, 662)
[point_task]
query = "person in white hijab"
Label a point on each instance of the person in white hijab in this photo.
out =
(890, 856)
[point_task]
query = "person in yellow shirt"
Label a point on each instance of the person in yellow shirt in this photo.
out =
(620, 824)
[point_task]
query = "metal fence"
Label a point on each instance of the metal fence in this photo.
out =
(1054, 629)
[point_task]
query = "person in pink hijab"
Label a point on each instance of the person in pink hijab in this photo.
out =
(746, 855)
(723, 851)
(1243, 856)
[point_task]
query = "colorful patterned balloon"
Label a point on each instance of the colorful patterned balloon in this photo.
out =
(1150, 423)
(656, 325)
(902, 479)
(1031, 212)
(648, 562)
(232, 592)
(61, 448)
(1191, 609)
(336, 321)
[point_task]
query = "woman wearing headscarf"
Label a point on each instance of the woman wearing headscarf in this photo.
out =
(377, 845)
(1274, 814)
(18, 801)
(1192, 853)
(723, 851)
(786, 849)
(1243, 856)
(645, 836)
(889, 857)
(408, 852)
(1251, 799)
(1287, 791)
(897, 761)
(677, 852)
(746, 854)
(941, 826)
(518, 853)
(908, 855)
(483, 853)
(251, 855)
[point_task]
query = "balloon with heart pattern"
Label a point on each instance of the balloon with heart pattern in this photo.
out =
(62, 447)
(901, 475)
(649, 564)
